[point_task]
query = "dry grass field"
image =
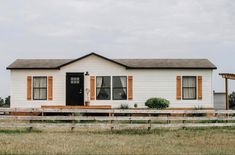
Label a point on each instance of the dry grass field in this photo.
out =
(205, 141)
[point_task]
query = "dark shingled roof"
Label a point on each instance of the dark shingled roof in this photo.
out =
(167, 63)
(38, 63)
(128, 63)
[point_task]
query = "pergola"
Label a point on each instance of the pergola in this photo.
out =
(227, 76)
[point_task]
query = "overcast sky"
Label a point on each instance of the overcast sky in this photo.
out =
(118, 29)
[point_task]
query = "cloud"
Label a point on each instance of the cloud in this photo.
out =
(117, 28)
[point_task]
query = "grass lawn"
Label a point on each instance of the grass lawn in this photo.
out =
(162, 141)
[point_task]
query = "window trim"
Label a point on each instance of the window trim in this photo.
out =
(110, 97)
(189, 87)
(119, 88)
(35, 77)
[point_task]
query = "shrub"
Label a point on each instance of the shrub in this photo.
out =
(124, 106)
(158, 103)
(135, 105)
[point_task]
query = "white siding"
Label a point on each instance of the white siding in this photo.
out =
(146, 83)
(220, 101)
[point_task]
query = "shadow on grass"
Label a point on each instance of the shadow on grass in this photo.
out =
(159, 131)
(162, 130)
(19, 131)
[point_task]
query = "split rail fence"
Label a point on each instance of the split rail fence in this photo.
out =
(115, 118)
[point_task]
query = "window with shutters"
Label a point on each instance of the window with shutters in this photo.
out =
(189, 87)
(119, 87)
(103, 88)
(40, 88)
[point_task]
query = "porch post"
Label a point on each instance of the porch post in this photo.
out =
(87, 88)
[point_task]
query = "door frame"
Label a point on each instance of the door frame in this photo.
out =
(67, 81)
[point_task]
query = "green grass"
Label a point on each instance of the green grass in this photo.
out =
(198, 141)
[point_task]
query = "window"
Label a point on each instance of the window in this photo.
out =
(189, 87)
(40, 88)
(119, 88)
(74, 80)
(103, 84)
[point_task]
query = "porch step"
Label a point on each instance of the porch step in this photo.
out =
(76, 107)
(25, 113)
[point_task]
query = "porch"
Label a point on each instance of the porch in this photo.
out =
(77, 107)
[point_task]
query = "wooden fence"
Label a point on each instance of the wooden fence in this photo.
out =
(115, 118)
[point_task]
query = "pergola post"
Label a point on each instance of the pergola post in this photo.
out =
(226, 89)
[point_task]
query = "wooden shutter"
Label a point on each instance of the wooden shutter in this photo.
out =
(130, 87)
(92, 87)
(29, 88)
(199, 78)
(50, 88)
(178, 87)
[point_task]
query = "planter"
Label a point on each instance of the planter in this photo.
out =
(87, 103)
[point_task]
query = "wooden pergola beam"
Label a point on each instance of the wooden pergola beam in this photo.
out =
(228, 76)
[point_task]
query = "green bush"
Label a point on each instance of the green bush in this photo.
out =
(232, 100)
(158, 103)
(135, 105)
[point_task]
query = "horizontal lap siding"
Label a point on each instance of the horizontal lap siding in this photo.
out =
(19, 89)
(146, 84)
(165, 86)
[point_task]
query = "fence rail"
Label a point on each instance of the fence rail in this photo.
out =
(115, 118)
(120, 111)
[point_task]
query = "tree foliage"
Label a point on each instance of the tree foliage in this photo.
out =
(5, 102)
(232, 100)
(1, 102)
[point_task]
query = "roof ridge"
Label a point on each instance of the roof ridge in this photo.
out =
(160, 59)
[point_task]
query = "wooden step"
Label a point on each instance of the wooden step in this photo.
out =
(25, 113)
(76, 107)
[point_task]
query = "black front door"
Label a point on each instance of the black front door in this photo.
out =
(75, 89)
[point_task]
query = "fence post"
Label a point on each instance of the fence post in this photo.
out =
(112, 115)
(42, 115)
(216, 115)
(150, 123)
(168, 121)
(31, 127)
(184, 117)
(112, 125)
(73, 122)
(130, 119)
(227, 117)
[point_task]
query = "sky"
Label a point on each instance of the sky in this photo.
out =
(118, 29)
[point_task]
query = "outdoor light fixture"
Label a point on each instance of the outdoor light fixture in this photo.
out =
(87, 73)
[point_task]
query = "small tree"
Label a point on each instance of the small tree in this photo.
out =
(1, 102)
(232, 100)
(7, 101)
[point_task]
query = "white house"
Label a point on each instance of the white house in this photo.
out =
(186, 83)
